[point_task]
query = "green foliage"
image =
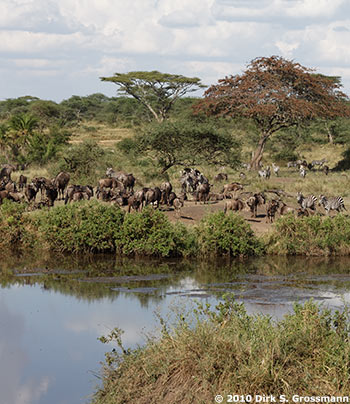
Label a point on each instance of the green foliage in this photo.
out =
(224, 349)
(220, 234)
(81, 227)
(154, 90)
(16, 228)
(151, 233)
(86, 162)
(186, 143)
(312, 235)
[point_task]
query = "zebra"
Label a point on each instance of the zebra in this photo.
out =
(302, 171)
(335, 203)
(306, 202)
(318, 162)
(275, 169)
(265, 173)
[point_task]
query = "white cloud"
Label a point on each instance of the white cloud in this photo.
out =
(66, 39)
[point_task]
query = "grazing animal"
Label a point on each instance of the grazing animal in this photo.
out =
(307, 202)
(284, 209)
(60, 182)
(275, 169)
(30, 192)
(291, 164)
(233, 187)
(128, 180)
(6, 171)
(165, 189)
(220, 177)
(134, 203)
(51, 194)
(326, 169)
(265, 173)
(254, 201)
(318, 162)
(178, 203)
(335, 203)
(271, 210)
(234, 205)
(202, 192)
(22, 182)
(302, 171)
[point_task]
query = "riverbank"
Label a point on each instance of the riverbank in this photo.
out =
(224, 351)
(96, 227)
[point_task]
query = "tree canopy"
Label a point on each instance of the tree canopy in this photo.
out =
(186, 144)
(154, 90)
(275, 93)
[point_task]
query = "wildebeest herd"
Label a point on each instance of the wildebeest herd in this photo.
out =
(118, 187)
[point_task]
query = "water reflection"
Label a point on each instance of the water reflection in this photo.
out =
(53, 310)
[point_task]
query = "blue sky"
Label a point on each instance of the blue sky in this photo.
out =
(54, 49)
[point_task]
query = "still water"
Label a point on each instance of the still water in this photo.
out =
(53, 310)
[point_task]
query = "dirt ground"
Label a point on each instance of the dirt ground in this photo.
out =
(192, 213)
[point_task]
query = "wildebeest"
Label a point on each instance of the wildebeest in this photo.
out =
(220, 177)
(22, 182)
(234, 205)
(202, 193)
(178, 203)
(86, 191)
(6, 171)
(271, 210)
(285, 209)
(60, 182)
(254, 201)
(234, 186)
(165, 189)
(134, 202)
(30, 192)
(153, 195)
(51, 194)
(128, 180)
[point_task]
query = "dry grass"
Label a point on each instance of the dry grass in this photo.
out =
(230, 352)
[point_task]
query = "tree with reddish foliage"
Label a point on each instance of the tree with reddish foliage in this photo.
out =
(275, 93)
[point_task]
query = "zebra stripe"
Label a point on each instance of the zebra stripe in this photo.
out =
(335, 203)
(306, 202)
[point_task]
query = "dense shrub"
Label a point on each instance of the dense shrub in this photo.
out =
(81, 226)
(151, 233)
(314, 235)
(16, 228)
(220, 234)
(227, 351)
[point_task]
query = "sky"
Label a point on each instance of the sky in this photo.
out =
(53, 49)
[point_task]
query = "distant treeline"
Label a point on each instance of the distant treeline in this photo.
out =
(97, 107)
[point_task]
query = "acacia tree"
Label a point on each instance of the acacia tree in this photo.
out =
(275, 93)
(156, 91)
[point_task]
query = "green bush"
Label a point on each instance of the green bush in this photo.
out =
(220, 234)
(313, 235)
(85, 226)
(17, 230)
(150, 233)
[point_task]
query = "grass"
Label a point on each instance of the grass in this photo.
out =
(226, 351)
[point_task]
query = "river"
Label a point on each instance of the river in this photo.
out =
(53, 309)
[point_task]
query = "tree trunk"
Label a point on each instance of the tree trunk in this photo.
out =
(329, 133)
(257, 156)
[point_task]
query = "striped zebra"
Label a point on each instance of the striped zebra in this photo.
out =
(335, 203)
(302, 171)
(306, 202)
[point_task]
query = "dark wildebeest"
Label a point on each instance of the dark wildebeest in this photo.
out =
(41, 183)
(30, 192)
(165, 188)
(128, 180)
(86, 190)
(271, 210)
(254, 201)
(220, 177)
(234, 205)
(60, 182)
(135, 203)
(6, 171)
(284, 210)
(202, 192)
(22, 182)
(234, 186)
(153, 195)
(51, 194)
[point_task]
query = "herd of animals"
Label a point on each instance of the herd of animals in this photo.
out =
(118, 188)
